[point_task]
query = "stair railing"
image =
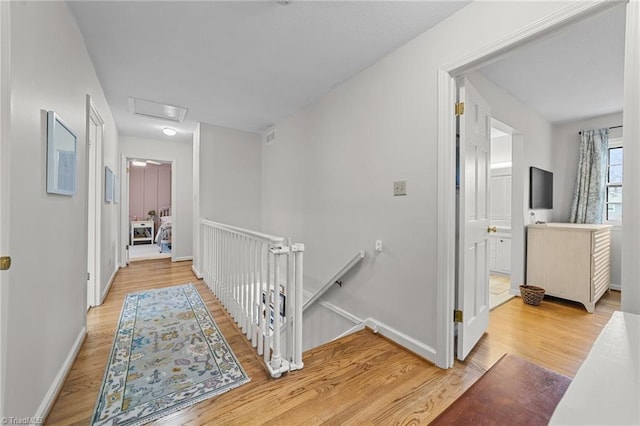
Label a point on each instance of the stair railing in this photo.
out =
(336, 279)
(257, 277)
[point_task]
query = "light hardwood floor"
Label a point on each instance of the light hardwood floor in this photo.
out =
(361, 379)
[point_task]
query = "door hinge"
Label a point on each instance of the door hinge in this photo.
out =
(5, 263)
(457, 315)
(88, 276)
(459, 109)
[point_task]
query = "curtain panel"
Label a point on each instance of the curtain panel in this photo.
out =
(589, 192)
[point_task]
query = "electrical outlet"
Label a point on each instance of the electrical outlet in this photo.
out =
(399, 188)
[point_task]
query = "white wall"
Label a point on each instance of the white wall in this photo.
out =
(565, 167)
(328, 177)
(51, 70)
(230, 173)
(110, 217)
(226, 179)
(180, 155)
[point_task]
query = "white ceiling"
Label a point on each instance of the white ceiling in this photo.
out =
(573, 74)
(244, 65)
(247, 65)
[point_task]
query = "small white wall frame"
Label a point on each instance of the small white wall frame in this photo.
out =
(108, 184)
(61, 156)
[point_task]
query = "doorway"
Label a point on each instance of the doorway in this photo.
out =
(500, 196)
(95, 126)
(149, 209)
(447, 167)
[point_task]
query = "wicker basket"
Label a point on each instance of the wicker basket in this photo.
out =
(531, 295)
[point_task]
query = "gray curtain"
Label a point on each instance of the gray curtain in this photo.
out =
(589, 191)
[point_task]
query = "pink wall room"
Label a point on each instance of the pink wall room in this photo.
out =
(149, 189)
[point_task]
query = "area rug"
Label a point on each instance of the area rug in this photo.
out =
(167, 354)
(512, 392)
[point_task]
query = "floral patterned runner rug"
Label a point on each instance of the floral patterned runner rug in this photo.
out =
(167, 354)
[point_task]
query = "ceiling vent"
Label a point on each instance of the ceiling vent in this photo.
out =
(270, 137)
(157, 110)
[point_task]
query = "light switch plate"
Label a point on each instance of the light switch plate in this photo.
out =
(399, 188)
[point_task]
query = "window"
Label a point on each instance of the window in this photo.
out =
(613, 202)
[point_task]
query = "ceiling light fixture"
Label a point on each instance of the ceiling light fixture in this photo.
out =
(169, 131)
(155, 163)
(138, 163)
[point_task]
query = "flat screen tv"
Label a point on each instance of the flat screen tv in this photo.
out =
(540, 189)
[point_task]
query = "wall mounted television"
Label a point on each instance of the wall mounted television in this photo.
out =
(540, 189)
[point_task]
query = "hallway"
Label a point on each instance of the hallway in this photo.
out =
(360, 378)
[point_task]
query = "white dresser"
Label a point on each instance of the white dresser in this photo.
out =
(571, 261)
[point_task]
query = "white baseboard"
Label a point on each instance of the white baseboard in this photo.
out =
(182, 259)
(108, 287)
(56, 386)
(333, 308)
(196, 272)
(407, 342)
(401, 339)
(616, 287)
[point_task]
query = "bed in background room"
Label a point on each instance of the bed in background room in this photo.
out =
(163, 236)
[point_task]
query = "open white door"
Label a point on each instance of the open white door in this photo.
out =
(472, 290)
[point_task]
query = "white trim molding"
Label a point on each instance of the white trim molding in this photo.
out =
(56, 386)
(399, 338)
(446, 229)
(196, 272)
(573, 12)
(5, 124)
(108, 287)
(94, 117)
(333, 308)
(631, 193)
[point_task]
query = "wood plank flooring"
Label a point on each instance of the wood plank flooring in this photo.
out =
(361, 379)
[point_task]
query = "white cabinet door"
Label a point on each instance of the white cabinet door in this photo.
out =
(497, 197)
(493, 242)
(507, 197)
(500, 197)
(503, 254)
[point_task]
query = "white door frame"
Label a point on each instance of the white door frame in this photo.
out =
(631, 194)
(94, 212)
(447, 158)
(124, 211)
(5, 121)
